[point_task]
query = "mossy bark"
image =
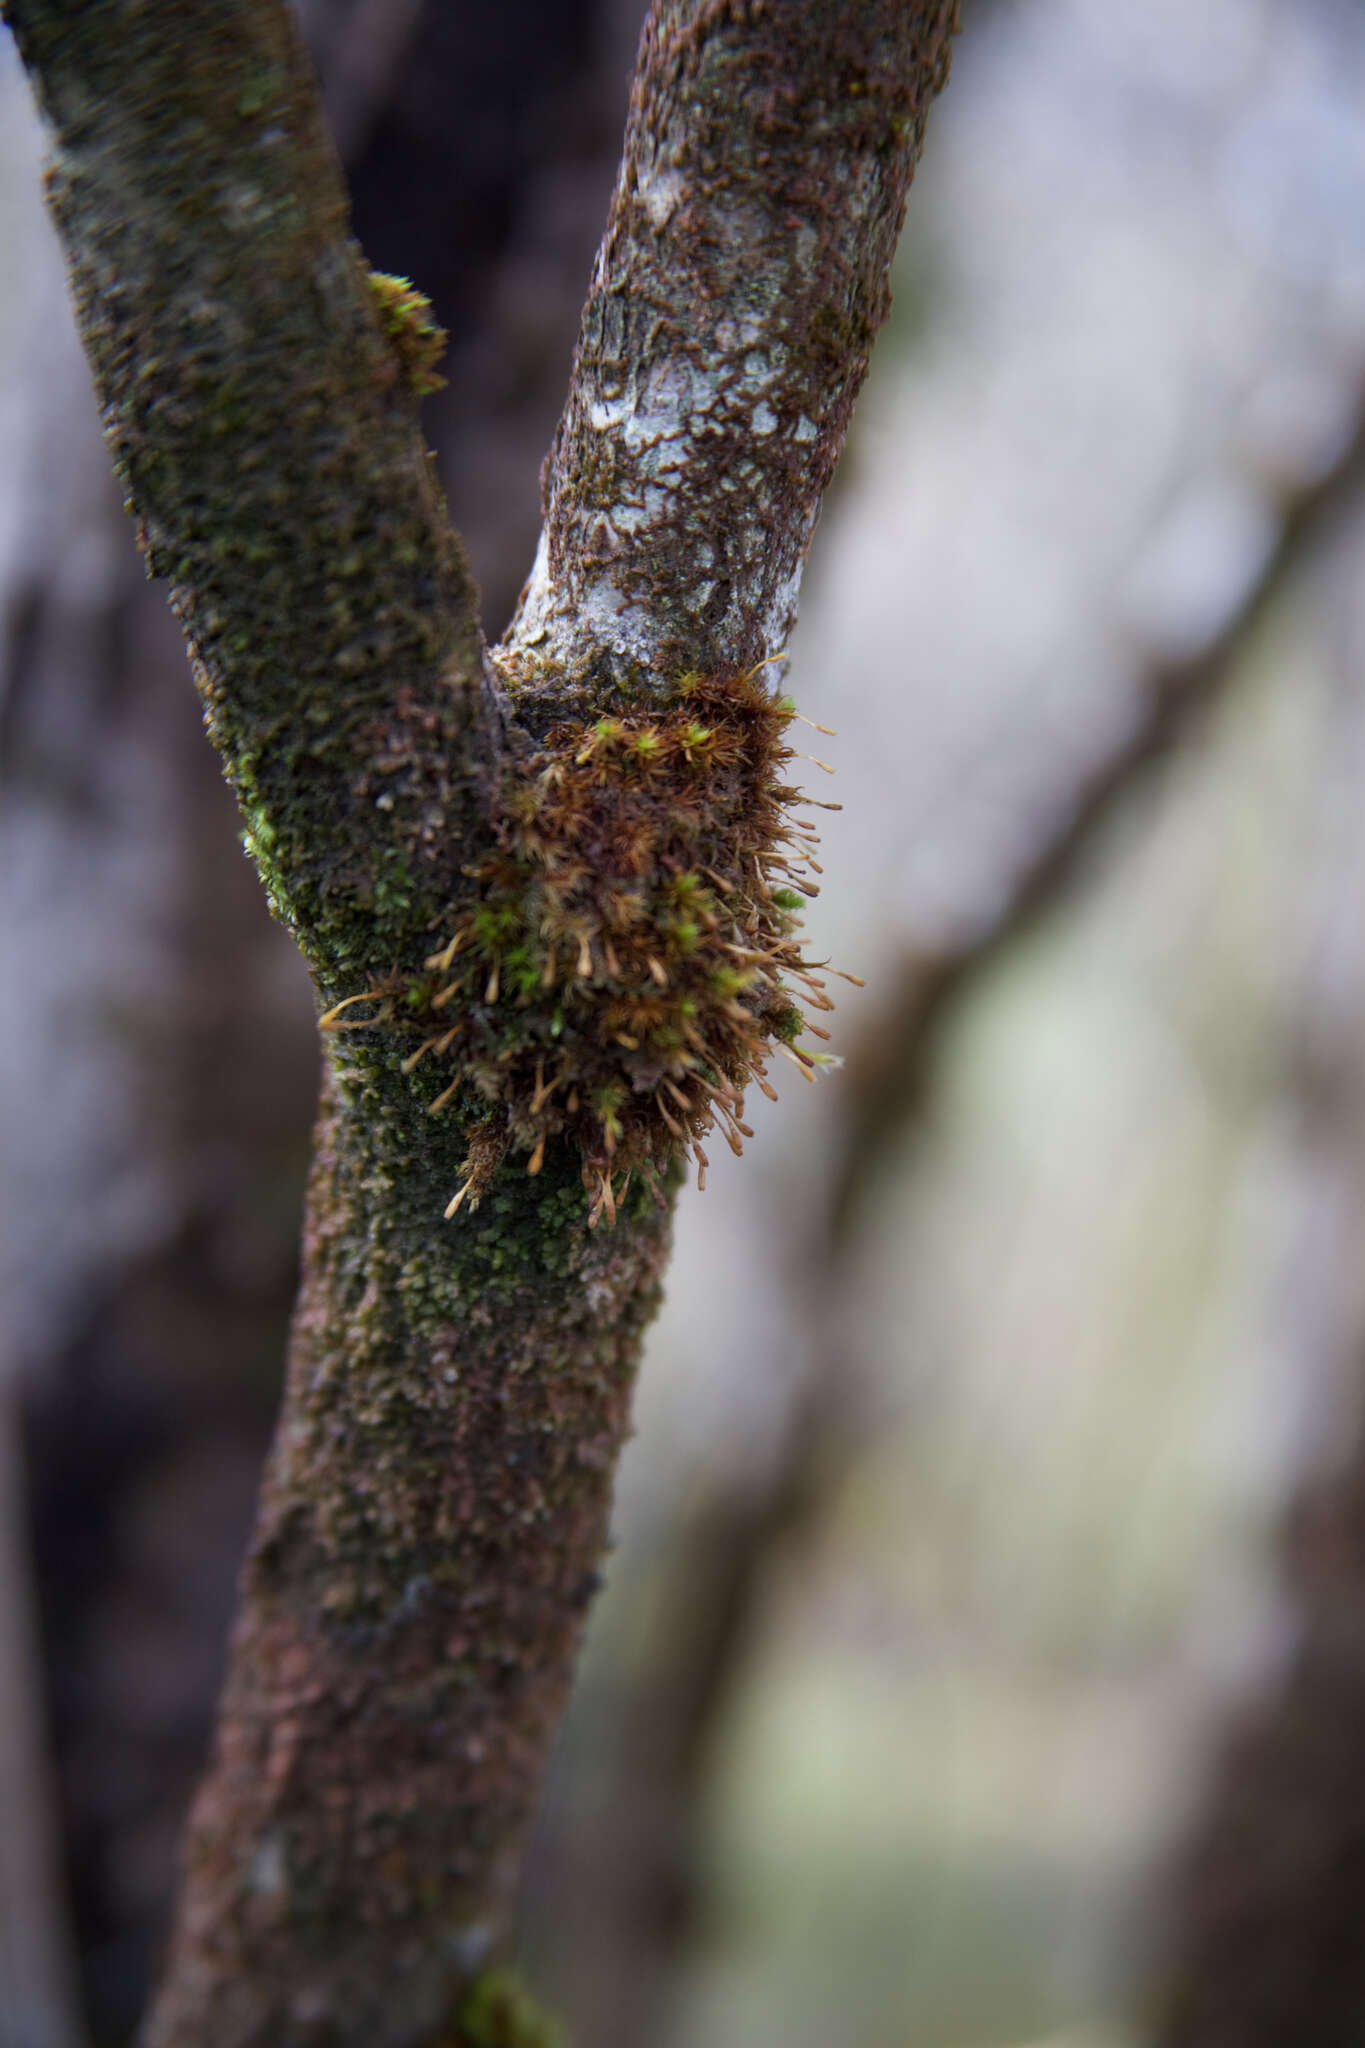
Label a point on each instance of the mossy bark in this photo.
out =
(436, 1503)
(273, 456)
(432, 1518)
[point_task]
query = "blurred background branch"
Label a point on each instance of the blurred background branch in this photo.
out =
(887, 1067)
(38, 2006)
(1261, 1909)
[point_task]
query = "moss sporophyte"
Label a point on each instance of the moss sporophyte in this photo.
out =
(629, 960)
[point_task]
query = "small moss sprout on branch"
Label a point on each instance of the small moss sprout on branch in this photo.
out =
(417, 337)
(500, 2013)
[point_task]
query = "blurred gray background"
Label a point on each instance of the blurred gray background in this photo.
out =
(996, 1488)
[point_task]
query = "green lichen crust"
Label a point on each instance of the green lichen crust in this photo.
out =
(630, 960)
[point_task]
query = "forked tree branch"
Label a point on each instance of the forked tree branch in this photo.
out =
(436, 1502)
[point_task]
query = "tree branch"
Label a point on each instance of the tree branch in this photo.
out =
(731, 314)
(270, 444)
(436, 1501)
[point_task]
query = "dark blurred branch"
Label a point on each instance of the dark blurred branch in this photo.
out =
(888, 1069)
(360, 53)
(37, 2006)
(1263, 1908)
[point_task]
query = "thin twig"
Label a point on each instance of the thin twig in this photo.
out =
(37, 1976)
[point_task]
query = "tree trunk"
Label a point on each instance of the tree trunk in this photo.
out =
(591, 817)
(150, 1354)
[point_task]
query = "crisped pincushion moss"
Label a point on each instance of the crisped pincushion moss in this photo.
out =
(626, 964)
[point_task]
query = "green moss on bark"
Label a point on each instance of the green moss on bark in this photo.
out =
(500, 2013)
(257, 396)
(431, 1526)
(415, 334)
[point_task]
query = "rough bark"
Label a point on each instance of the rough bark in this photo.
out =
(438, 1493)
(151, 1356)
(269, 441)
(433, 1514)
(740, 283)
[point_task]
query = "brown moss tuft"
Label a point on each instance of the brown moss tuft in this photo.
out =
(629, 960)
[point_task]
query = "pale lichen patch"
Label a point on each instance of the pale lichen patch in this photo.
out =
(660, 192)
